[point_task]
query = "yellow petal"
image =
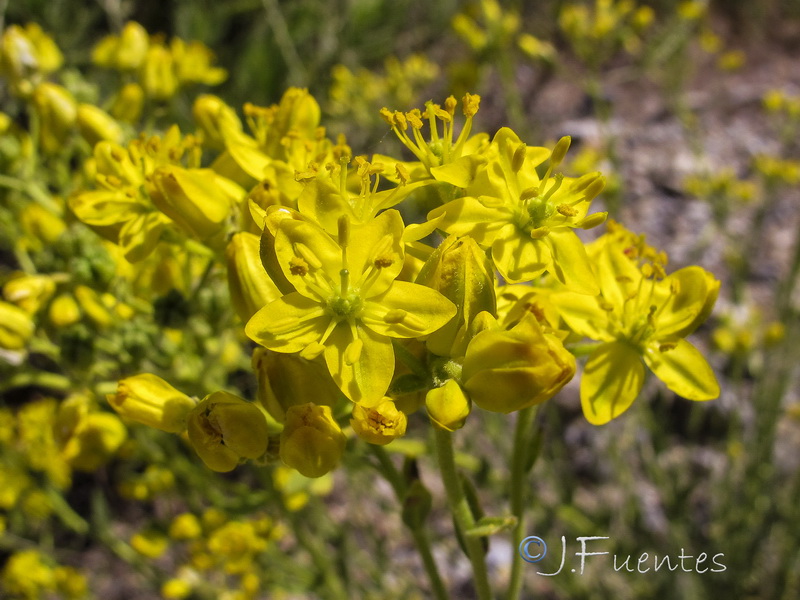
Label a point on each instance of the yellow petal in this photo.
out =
(612, 378)
(407, 310)
(370, 375)
(518, 257)
(583, 315)
(684, 370)
(570, 263)
(467, 216)
(376, 245)
(288, 324)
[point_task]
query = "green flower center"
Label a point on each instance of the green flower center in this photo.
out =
(346, 306)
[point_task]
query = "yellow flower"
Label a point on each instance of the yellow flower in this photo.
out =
(641, 317)
(444, 157)
(347, 303)
(528, 221)
(126, 51)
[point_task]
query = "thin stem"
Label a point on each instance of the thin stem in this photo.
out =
(321, 557)
(461, 511)
(280, 29)
(519, 462)
(423, 544)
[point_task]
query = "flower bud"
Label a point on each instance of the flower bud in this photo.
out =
(157, 74)
(126, 51)
(223, 429)
(57, 114)
(311, 441)
(128, 103)
(16, 327)
(64, 311)
(459, 270)
(41, 227)
(92, 304)
(249, 285)
(150, 400)
(198, 200)
(95, 124)
(378, 424)
(218, 121)
(94, 441)
(286, 380)
(510, 370)
(448, 406)
(29, 292)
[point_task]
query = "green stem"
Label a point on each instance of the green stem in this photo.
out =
(462, 513)
(321, 557)
(409, 360)
(519, 463)
(423, 544)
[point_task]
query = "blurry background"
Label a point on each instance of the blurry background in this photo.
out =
(692, 112)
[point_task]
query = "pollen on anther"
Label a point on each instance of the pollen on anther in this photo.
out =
(383, 261)
(298, 266)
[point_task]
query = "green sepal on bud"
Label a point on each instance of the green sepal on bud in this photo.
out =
(151, 401)
(224, 429)
(460, 270)
(312, 441)
(448, 406)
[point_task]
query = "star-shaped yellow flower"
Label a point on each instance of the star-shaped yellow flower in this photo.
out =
(346, 302)
(641, 316)
(528, 221)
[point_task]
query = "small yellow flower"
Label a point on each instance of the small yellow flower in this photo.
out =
(347, 303)
(641, 317)
(378, 423)
(528, 221)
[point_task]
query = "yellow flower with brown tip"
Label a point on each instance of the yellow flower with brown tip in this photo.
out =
(378, 423)
(347, 304)
(641, 318)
